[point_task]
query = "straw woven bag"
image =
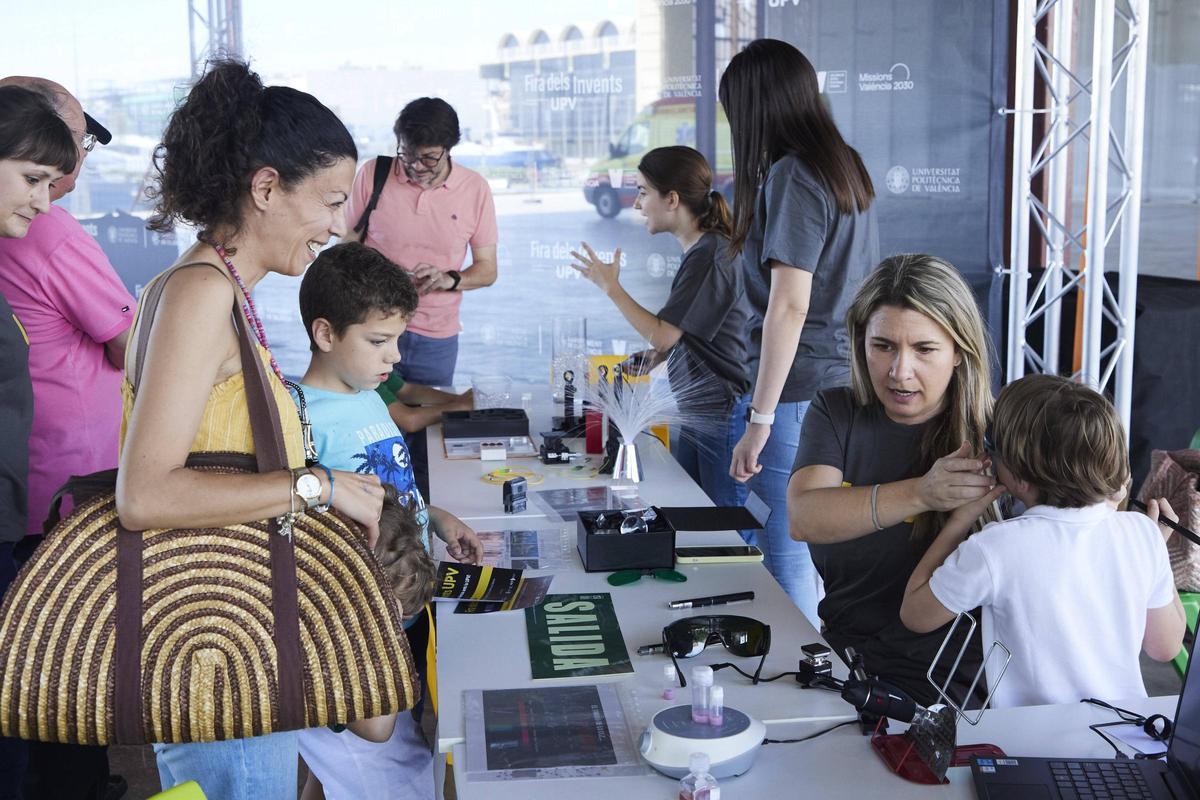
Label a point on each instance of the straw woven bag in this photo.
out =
(110, 636)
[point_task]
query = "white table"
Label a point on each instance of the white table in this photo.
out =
(489, 651)
(842, 764)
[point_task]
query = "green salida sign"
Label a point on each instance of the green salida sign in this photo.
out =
(575, 635)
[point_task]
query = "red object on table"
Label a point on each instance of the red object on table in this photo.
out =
(593, 426)
(899, 753)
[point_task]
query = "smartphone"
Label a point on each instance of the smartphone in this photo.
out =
(723, 554)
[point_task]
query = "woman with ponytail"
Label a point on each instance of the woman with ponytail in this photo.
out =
(263, 174)
(705, 315)
(805, 229)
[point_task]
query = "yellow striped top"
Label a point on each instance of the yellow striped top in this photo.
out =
(225, 426)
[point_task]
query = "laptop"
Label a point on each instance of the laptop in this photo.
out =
(1178, 778)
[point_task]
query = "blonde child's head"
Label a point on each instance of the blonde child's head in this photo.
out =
(406, 563)
(1061, 438)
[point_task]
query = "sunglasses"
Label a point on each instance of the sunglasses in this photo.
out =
(625, 577)
(741, 636)
(637, 520)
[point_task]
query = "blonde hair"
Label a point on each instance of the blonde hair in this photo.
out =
(1063, 438)
(934, 288)
(406, 563)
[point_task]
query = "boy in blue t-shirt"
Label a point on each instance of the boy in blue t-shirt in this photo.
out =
(355, 303)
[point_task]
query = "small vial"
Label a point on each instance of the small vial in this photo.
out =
(699, 784)
(527, 402)
(702, 681)
(668, 692)
(716, 705)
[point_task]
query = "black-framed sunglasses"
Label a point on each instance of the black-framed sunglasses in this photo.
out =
(741, 636)
(427, 161)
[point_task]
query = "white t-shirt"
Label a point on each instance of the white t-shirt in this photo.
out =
(351, 768)
(1067, 590)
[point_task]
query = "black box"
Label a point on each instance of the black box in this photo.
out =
(482, 423)
(607, 552)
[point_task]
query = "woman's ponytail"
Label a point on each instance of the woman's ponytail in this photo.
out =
(717, 218)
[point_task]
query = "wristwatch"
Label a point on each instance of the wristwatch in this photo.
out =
(308, 486)
(755, 418)
(456, 276)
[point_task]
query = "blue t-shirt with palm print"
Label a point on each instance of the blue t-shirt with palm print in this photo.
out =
(355, 433)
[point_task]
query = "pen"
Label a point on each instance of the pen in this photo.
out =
(715, 600)
(1182, 531)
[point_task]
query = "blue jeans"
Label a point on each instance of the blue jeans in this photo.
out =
(705, 456)
(430, 362)
(426, 360)
(262, 768)
(785, 558)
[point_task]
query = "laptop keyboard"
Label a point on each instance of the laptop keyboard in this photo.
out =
(1090, 780)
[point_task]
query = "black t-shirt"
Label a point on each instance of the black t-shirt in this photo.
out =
(16, 419)
(865, 577)
(797, 222)
(708, 303)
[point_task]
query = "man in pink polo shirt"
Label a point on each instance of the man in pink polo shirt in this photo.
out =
(429, 212)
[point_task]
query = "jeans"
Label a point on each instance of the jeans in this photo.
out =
(786, 559)
(262, 768)
(705, 456)
(427, 361)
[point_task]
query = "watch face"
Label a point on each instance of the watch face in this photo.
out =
(308, 487)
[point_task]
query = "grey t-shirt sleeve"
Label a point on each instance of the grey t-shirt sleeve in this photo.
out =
(823, 434)
(701, 296)
(798, 222)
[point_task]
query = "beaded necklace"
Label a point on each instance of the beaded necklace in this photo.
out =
(250, 311)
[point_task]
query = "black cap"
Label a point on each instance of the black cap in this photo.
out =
(96, 129)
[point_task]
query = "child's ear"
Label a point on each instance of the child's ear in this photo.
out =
(323, 334)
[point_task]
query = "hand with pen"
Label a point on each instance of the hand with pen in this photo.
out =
(1159, 509)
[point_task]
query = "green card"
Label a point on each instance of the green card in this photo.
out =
(575, 635)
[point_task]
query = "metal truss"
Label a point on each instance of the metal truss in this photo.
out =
(215, 32)
(1119, 44)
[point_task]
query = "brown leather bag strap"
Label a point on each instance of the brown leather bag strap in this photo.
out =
(147, 308)
(128, 714)
(271, 455)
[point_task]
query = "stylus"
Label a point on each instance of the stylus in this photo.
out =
(715, 600)
(1182, 531)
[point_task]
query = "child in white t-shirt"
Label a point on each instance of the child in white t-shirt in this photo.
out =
(1073, 587)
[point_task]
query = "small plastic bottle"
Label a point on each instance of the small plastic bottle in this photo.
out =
(702, 681)
(716, 705)
(698, 784)
(668, 692)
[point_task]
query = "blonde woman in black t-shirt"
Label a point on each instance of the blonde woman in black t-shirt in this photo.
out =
(882, 462)
(704, 319)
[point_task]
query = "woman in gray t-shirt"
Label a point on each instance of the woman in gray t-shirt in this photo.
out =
(805, 228)
(883, 461)
(702, 326)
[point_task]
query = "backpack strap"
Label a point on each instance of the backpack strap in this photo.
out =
(383, 166)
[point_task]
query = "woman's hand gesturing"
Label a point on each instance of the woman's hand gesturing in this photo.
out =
(605, 274)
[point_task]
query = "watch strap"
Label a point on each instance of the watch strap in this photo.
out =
(755, 418)
(456, 276)
(323, 507)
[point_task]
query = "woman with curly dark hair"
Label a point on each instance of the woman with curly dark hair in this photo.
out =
(263, 173)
